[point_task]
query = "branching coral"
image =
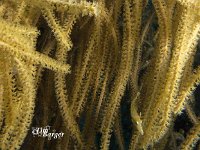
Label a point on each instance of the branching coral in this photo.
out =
(98, 53)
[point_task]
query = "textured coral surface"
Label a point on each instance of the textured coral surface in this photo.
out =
(99, 74)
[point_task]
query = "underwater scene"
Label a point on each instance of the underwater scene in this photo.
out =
(99, 74)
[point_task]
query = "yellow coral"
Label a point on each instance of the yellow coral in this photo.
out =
(99, 53)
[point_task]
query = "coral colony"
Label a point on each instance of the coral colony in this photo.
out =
(104, 74)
